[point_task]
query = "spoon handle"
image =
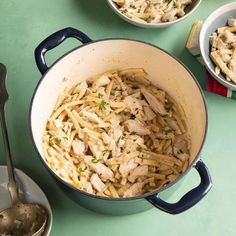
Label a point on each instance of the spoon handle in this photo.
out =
(12, 185)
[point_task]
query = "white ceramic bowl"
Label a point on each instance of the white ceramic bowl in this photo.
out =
(29, 192)
(216, 20)
(189, 10)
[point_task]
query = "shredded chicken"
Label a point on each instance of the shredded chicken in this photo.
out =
(117, 135)
(153, 11)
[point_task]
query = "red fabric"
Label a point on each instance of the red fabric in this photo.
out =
(215, 87)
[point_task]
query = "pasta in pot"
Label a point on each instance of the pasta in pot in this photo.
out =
(153, 11)
(117, 135)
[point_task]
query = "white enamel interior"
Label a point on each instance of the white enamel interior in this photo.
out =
(84, 62)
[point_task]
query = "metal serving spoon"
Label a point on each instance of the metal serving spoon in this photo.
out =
(20, 219)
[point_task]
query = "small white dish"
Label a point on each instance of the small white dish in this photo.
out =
(189, 10)
(29, 192)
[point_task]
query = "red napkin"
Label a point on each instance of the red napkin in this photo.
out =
(215, 87)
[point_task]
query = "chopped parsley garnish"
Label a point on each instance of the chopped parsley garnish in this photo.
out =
(168, 130)
(77, 93)
(141, 155)
(132, 117)
(83, 169)
(148, 19)
(54, 141)
(105, 151)
(102, 105)
(174, 4)
(65, 138)
(133, 133)
(112, 93)
(94, 160)
(120, 138)
(132, 6)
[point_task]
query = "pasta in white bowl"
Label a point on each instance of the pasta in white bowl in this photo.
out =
(153, 13)
(117, 135)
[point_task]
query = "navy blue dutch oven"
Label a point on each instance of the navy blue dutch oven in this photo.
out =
(94, 57)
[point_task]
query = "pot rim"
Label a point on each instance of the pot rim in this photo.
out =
(196, 159)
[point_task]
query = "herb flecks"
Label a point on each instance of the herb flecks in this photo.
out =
(132, 6)
(94, 160)
(104, 152)
(120, 138)
(132, 117)
(81, 169)
(54, 141)
(133, 133)
(102, 105)
(168, 130)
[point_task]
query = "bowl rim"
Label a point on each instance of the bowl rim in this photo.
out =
(151, 25)
(60, 180)
(23, 178)
(218, 12)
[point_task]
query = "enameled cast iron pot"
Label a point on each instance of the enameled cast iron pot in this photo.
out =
(94, 57)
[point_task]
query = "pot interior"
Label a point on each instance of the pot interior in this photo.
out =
(163, 71)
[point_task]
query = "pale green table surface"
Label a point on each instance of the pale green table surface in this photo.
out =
(23, 25)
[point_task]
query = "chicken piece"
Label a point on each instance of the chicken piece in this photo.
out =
(139, 141)
(137, 172)
(220, 44)
(170, 15)
(86, 185)
(232, 22)
(183, 156)
(180, 146)
(117, 134)
(83, 89)
(101, 81)
(134, 190)
(228, 37)
(154, 103)
(106, 138)
(130, 145)
(78, 146)
(174, 125)
(225, 58)
(137, 127)
(149, 114)
(93, 118)
(96, 151)
(133, 104)
(97, 183)
(99, 168)
(125, 168)
(58, 123)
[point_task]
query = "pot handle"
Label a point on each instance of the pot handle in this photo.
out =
(53, 41)
(190, 198)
